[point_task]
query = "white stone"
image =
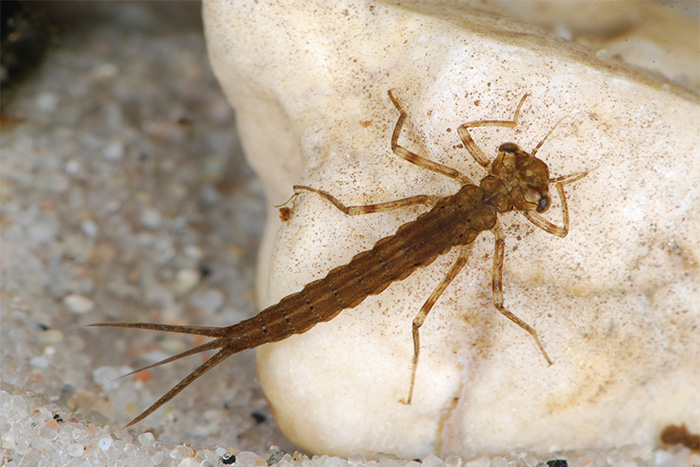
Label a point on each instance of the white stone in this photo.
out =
(76, 450)
(157, 458)
(616, 303)
(78, 304)
(105, 443)
(146, 439)
(185, 280)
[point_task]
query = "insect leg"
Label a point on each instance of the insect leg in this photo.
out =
(469, 143)
(543, 223)
(418, 321)
(414, 158)
(497, 288)
(427, 200)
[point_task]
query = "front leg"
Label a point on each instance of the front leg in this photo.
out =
(414, 158)
(543, 223)
(469, 143)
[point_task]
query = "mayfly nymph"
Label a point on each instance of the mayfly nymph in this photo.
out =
(516, 181)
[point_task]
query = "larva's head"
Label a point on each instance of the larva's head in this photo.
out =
(526, 176)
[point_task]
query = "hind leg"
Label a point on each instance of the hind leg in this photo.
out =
(427, 200)
(418, 321)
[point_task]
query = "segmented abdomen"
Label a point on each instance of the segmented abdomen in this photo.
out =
(414, 245)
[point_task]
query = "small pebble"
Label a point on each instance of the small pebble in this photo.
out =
(46, 102)
(51, 336)
(76, 450)
(157, 458)
(73, 167)
(43, 230)
(432, 461)
(208, 300)
(193, 252)
(189, 462)
(113, 151)
(105, 443)
(219, 451)
(181, 452)
(89, 228)
(39, 362)
(247, 458)
(185, 280)
(79, 435)
(78, 304)
(356, 459)
(481, 461)
(146, 439)
(150, 218)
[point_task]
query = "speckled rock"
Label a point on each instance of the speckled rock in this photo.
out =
(616, 303)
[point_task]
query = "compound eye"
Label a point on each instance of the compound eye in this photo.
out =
(509, 147)
(543, 204)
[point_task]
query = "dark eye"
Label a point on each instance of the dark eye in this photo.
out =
(543, 204)
(509, 147)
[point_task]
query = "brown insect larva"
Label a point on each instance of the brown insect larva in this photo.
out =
(516, 181)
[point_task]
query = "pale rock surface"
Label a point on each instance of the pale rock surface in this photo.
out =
(616, 303)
